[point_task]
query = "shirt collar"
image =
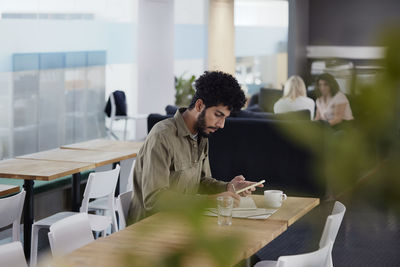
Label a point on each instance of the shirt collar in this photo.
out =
(180, 123)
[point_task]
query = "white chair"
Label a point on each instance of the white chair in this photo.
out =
(317, 258)
(123, 202)
(12, 254)
(100, 184)
(69, 234)
(125, 177)
(314, 259)
(329, 234)
(11, 210)
(129, 179)
(331, 228)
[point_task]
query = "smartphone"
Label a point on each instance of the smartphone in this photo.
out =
(250, 186)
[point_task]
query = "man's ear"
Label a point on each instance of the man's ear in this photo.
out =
(199, 105)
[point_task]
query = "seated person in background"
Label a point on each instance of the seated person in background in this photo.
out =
(294, 97)
(174, 157)
(332, 105)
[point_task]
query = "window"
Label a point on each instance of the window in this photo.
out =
(261, 33)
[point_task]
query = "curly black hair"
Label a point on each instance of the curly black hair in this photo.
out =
(217, 87)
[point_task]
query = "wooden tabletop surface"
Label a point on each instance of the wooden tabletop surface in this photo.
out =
(45, 170)
(6, 189)
(293, 208)
(160, 234)
(106, 145)
(89, 156)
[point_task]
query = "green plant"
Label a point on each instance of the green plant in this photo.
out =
(184, 90)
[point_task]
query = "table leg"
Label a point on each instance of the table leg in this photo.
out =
(28, 217)
(117, 186)
(76, 191)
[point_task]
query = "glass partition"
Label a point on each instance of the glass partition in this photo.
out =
(61, 60)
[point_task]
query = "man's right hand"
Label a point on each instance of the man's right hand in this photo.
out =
(236, 197)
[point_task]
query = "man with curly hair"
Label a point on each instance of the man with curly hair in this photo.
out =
(174, 157)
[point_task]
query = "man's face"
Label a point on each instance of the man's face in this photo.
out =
(211, 119)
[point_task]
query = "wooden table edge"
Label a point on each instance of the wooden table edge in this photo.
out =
(118, 159)
(95, 164)
(12, 190)
(308, 208)
(247, 254)
(47, 178)
(94, 149)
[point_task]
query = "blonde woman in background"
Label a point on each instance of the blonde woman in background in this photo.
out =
(294, 97)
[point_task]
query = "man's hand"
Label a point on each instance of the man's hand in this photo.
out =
(240, 182)
(236, 197)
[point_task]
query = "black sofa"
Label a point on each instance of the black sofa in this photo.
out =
(258, 149)
(257, 114)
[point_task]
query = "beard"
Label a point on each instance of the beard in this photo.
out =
(201, 125)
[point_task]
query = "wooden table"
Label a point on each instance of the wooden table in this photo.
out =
(6, 189)
(44, 170)
(94, 157)
(88, 156)
(160, 234)
(292, 209)
(106, 145)
(52, 164)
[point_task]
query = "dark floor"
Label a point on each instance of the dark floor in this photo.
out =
(369, 236)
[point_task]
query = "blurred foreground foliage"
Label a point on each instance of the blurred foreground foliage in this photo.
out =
(204, 246)
(362, 158)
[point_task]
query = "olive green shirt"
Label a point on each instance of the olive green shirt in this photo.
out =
(170, 159)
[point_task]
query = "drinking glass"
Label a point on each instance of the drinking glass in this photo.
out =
(225, 206)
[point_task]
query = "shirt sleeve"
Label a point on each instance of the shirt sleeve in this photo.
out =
(155, 170)
(209, 185)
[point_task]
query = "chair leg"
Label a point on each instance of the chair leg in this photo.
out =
(114, 224)
(126, 124)
(96, 234)
(34, 246)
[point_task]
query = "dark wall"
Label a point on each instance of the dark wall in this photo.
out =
(350, 22)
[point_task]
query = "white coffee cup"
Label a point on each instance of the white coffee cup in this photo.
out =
(274, 198)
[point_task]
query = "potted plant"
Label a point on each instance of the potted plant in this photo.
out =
(184, 90)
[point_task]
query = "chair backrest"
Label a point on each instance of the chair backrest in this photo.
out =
(268, 97)
(12, 254)
(314, 259)
(116, 104)
(332, 224)
(11, 210)
(100, 184)
(129, 185)
(331, 228)
(69, 234)
(123, 202)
